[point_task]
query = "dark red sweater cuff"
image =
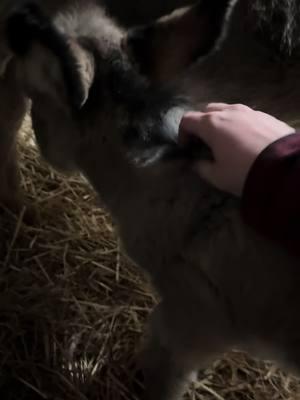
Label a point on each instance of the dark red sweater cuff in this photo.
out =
(271, 198)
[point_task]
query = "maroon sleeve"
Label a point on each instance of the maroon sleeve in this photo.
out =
(271, 197)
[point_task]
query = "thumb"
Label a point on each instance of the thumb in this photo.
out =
(191, 124)
(206, 170)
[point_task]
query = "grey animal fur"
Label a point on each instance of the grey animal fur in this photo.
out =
(221, 284)
(13, 107)
(13, 103)
(257, 63)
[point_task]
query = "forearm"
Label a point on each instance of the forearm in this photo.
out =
(271, 197)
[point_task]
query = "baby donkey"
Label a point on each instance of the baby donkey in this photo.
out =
(221, 284)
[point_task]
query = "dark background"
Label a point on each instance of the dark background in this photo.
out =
(131, 12)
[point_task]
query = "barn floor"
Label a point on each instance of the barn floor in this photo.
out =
(73, 309)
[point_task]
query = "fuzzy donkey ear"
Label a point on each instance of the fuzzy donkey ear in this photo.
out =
(166, 47)
(51, 64)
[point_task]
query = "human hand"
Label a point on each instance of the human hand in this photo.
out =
(236, 134)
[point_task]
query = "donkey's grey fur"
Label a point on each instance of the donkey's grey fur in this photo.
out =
(13, 103)
(222, 285)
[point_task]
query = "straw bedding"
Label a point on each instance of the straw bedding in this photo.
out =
(73, 308)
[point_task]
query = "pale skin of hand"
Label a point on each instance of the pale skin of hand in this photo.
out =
(236, 134)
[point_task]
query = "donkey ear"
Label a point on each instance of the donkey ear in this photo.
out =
(166, 47)
(51, 64)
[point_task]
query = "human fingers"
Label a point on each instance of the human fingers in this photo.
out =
(193, 123)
